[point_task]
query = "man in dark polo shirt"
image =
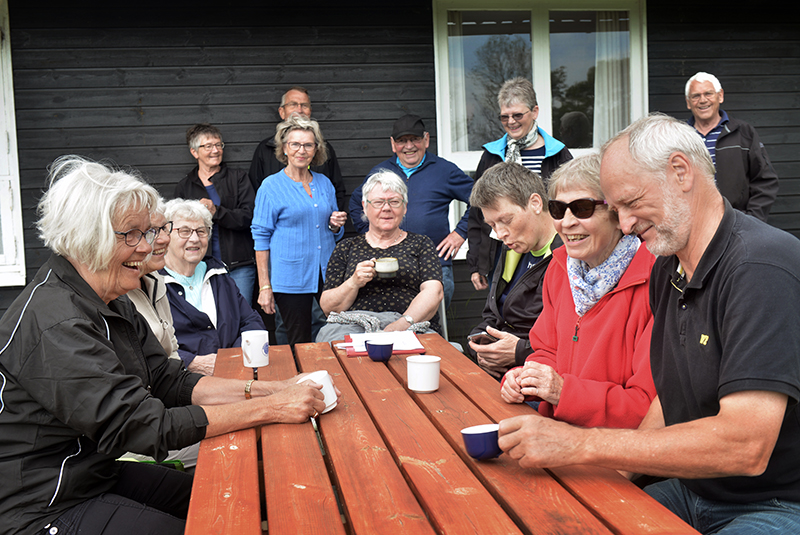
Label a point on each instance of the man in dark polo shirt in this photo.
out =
(725, 350)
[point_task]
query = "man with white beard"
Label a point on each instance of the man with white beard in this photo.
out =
(725, 295)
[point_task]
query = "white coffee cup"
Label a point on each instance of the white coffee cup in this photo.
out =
(322, 377)
(423, 373)
(386, 267)
(255, 348)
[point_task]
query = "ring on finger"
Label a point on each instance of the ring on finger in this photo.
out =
(316, 413)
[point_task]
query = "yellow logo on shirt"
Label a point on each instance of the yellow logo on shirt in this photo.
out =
(703, 339)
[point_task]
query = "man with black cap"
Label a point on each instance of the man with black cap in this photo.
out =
(433, 183)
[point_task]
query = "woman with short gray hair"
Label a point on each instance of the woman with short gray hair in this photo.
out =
(84, 379)
(412, 294)
(524, 143)
(229, 196)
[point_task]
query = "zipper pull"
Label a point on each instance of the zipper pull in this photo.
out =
(577, 326)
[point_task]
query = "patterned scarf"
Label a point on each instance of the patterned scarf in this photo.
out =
(515, 146)
(590, 285)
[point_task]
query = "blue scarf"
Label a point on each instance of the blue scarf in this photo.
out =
(590, 285)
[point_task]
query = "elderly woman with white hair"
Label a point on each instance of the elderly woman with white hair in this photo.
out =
(413, 294)
(208, 311)
(85, 380)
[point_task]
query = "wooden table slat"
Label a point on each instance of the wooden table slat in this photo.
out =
(299, 493)
(226, 499)
(454, 499)
(557, 511)
(622, 506)
(376, 496)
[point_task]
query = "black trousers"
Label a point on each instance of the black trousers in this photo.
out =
(296, 313)
(147, 499)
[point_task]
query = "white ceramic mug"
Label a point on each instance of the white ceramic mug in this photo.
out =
(255, 348)
(423, 373)
(322, 377)
(386, 267)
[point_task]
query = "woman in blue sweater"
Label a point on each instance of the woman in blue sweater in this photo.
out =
(295, 227)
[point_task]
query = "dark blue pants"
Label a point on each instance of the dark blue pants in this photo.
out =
(147, 499)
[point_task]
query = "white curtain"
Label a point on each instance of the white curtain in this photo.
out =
(458, 89)
(612, 87)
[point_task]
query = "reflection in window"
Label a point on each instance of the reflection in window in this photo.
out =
(485, 48)
(590, 80)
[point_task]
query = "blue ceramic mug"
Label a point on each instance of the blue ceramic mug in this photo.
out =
(481, 441)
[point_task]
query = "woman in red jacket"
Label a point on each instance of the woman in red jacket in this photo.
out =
(591, 344)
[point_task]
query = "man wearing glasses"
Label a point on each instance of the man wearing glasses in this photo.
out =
(264, 164)
(745, 175)
(432, 183)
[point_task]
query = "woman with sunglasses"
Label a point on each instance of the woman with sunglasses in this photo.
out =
(295, 227)
(208, 311)
(524, 143)
(591, 344)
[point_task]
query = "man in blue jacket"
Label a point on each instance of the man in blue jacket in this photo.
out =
(433, 183)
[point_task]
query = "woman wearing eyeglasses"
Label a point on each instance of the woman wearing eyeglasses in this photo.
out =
(150, 299)
(229, 196)
(408, 297)
(295, 227)
(83, 379)
(591, 344)
(524, 143)
(208, 311)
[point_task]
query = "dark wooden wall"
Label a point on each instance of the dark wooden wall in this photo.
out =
(124, 81)
(755, 53)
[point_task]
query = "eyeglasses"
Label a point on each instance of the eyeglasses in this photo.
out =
(210, 146)
(580, 208)
(186, 232)
(294, 145)
(406, 140)
(166, 228)
(292, 105)
(380, 203)
(708, 96)
(134, 236)
(516, 116)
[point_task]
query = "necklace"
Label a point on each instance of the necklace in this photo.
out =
(378, 244)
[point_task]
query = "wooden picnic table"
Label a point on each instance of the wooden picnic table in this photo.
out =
(388, 460)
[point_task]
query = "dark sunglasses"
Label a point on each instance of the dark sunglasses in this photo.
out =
(580, 208)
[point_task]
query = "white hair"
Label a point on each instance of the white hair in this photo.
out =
(83, 202)
(188, 210)
(389, 181)
(703, 77)
(653, 138)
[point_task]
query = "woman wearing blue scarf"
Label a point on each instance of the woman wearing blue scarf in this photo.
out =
(591, 344)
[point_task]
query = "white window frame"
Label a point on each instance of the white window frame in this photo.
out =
(540, 66)
(12, 258)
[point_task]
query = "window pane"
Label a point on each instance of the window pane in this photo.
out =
(485, 48)
(590, 75)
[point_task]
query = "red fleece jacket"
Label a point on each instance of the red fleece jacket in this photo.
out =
(604, 356)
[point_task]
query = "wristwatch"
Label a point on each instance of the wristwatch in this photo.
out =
(409, 319)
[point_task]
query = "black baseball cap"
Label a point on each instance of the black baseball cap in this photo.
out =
(408, 125)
